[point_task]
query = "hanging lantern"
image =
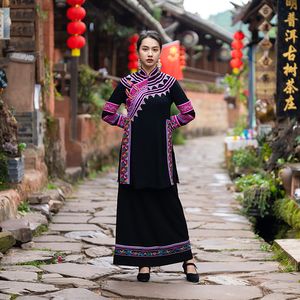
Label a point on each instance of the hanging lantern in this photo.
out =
(236, 54)
(132, 54)
(76, 27)
(75, 2)
(237, 44)
(236, 63)
(76, 13)
(76, 42)
(239, 35)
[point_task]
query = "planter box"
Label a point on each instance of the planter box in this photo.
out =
(15, 168)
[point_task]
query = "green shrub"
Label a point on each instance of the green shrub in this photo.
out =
(259, 192)
(246, 159)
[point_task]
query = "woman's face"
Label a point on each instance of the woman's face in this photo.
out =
(149, 53)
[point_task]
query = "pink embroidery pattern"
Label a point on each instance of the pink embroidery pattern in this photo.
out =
(125, 153)
(185, 118)
(185, 107)
(111, 107)
(111, 119)
(169, 149)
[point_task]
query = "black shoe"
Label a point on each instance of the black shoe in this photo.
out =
(143, 277)
(192, 277)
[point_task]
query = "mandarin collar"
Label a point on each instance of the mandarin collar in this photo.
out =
(152, 74)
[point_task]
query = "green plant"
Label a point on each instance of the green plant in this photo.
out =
(265, 152)
(51, 186)
(286, 264)
(92, 92)
(21, 147)
(240, 126)
(236, 86)
(259, 192)
(245, 159)
(23, 207)
(40, 229)
(288, 210)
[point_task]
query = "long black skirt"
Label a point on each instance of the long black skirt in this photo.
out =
(151, 227)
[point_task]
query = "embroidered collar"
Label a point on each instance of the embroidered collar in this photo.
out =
(154, 73)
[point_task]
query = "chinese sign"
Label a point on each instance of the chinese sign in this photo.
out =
(288, 64)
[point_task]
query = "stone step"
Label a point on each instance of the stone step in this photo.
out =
(291, 247)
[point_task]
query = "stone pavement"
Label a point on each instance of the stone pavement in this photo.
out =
(73, 260)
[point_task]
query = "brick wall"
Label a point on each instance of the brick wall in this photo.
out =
(211, 114)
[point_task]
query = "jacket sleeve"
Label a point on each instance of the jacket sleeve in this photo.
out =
(184, 105)
(109, 113)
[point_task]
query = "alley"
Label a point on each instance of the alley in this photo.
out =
(231, 260)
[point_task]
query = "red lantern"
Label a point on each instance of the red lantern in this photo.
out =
(76, 13)
(134, 39)
(236, 63)
(133, 56)
(76, 27)
(237, 44)
(239, 35)
(76, 42)
(236, 54)
(75, 2)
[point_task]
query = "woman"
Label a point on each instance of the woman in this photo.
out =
(151, 228)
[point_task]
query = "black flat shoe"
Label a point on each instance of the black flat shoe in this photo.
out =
(192, 277)
(143, 277)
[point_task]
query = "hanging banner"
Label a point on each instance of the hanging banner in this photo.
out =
(288, 59)
(170, 59)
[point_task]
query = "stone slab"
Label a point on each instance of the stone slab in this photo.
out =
(227, 267)
(78, 235)
(103, 220)
(64, 247)
(77, 270)
(18, 276)
(19, 228)
(75, 294)
(18, 287)
(98, 251)
(71, 219)
(52, 238)
(73, 227)
(276, 296)
(180, 291)
(16, 256)
(100, 241)
(71, 282)
(4, 297)
(218, 244)
(211, 233)
(292, 248)
(282, 287)
(21, 268)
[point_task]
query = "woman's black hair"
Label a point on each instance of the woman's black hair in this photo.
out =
(151, 34)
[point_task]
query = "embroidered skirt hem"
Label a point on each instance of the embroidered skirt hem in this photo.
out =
(151, 228)
(152, 261)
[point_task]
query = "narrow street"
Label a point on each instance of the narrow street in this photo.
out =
(231, 260)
